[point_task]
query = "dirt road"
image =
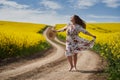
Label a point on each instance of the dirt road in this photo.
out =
(55, 66)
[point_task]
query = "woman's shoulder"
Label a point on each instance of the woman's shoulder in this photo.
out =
(78, 26)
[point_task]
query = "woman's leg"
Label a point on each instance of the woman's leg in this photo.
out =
(70, 61)
(75, 60)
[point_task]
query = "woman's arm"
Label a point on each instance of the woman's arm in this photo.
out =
(90, 34)
(63, 29)
(86, 32)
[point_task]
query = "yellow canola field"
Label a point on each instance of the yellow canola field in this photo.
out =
(22, 36)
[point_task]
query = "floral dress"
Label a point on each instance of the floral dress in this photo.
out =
(74, 43)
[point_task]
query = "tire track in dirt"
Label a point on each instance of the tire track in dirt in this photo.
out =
(23, 69)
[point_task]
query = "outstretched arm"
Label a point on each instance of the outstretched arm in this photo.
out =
(63, 29)
(86, 32)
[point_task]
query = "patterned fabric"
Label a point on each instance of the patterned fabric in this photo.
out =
(75, 43)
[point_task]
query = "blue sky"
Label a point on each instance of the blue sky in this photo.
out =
(59, 11)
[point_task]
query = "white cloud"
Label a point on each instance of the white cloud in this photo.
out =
(105, 16)
(8, 3)
(12, 11)
(112, 3)
(33, 16)
(51, 4)
(84, 4)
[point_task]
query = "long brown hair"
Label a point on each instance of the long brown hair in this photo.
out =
(79, 21)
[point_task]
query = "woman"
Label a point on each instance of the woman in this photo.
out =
(74, 43)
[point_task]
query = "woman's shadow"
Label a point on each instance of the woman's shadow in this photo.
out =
(89, 71)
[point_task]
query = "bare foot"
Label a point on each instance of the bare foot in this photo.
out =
(71, 68)
(76, 69)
